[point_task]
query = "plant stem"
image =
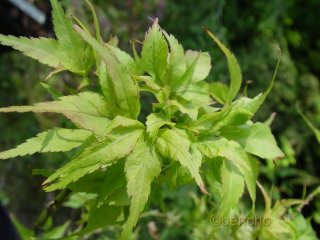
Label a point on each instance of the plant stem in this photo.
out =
(50, 209)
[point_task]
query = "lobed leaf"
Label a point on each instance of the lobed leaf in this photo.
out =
(155, 53)
(89, 110)
(232, 151)
(177, 62)
(94, 157)
(123, 90)
(174, 146)
(142, 167)
(69, 41)
(55, 140)
(44, 50)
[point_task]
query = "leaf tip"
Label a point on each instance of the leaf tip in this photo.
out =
(77, 28)
(203, 189)
(205, 29)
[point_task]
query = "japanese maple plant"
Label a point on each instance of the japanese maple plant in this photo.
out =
(193, 126)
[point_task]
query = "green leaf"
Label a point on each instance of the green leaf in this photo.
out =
(53, 93)
(219, 92)
(89, 110)
(234, 68)
(101, 216)
(67, 53)
(174, 146)
(57, 232)
(184, 107)
(44, 50)
(203, 64)
(261, 98)
(69, 41)
(103, 182)
(238, 113)
(107, 88)
(197, 94)
(24, 232)
(126, 91)
(149, 84)
(142, 167)
(154, 53)
(154, 122)
(55, 140)
(94, 157)
(232, 187)
(256, 139)
(95, 21)
(232, 151)
(229, 116)
(79, 199)
(182, 84)
(177, 62)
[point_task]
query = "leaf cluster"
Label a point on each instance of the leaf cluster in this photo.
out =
(193, 126)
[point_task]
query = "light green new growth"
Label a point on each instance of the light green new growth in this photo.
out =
(87, 109)
(55, 140)
(142, 167)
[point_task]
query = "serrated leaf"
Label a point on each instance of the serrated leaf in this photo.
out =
(232, 151)
(44, 50)
(177, 62)
(154, 122)
(172, 145)
(126, 91)
(232, 187)
(155, 52)
(67, 53)
(94, 157)
(256, 139)
(234, 68)
(107, 88)
(55, 140)
(142, 167)
(203, 65)
(87, 109)
(69, 41)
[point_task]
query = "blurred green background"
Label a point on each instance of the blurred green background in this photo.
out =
(253, 30)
